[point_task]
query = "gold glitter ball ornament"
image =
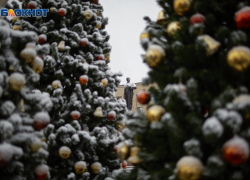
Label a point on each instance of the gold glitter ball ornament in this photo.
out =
(144, 35)
(28, 54)
(120, 125)
(104, 82)
(61, 46)
(189, 168)
(56, 84)
(16, 27)
(155, 112)
(16, 81)
(35, 144)
(154, 55)
(134, 158)
(14, 19)
(98, 24)
(182, 6)
(95, 167)
(107, 56)
(209, 43)
(64, 152)
(37, 65)
(239, 58)
(162, 18)
(122, 151)
(52, 10)
(80, 167)
(88, 14)
(173, 28)
(98, 112)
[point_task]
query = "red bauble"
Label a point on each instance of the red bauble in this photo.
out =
(32, 5)
(41, 120)
(75, 115)
(236, 150)
(143, 97)
(62, 12)
(95, 1)
(41, 172)
(83, 79)
(115, 149)
(197, 18)
(242, 18)
(124, 165)
(42, 38)
(111, 115)
(84, 42)
(24, 6)
(100, 57)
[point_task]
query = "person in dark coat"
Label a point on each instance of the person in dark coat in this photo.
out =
(128, 93)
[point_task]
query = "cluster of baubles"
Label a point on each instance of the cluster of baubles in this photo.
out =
(238, 57)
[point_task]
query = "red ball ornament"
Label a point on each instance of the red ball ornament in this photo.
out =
(41, 172)
(83, 79)
(42, 39)
(100, 57)
(62, 12)
(143, 97)
(75, 115)
(124, 165)
(84, 42)
(242, 18)
(32, 5)
(197, 18)
(95, 1)
(111, 115)
(236, 150)
(41, 120)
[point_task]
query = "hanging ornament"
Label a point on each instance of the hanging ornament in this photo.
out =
(162, 18)
(41, 120)
(98, 25)
(154, 55)
(17, 27)
(111, 115)
(84, 42)
(124, 165)
(155, 112)
(83, 79)
(98, 112)
(20, 106)
(120, 125)
(104, 82)
(88, 14)
(239, 58)
(144, 35)
(236, 150)
(52, 10)
(107, 56)
(134, 158)
(61, 46)
(122, 150)
(42, 39)
(182, 6)
(75, 115)
(98, 13)
(173, 28)
(241, 99)
(62, 12)
(197, 18)
(95, 167)
(242, 18)
(95, 1)
(14, 19)
(35, 144)
(64, 152)
(210, 44)
(143, 97)
(6, 154)
(41, 172)
(100, 57)
(80, 167)
(189, 168)
(56, 84)
(28, 54)
(32, 5)
(16, 81)
(37, 65)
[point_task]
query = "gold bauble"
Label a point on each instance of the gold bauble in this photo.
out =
(239, 58)
(98, 13)
(52, 10)
(14, 19)
(154, 55)
(155, 112)
(16, 81)
(28, 54)
(134, 159)
(64, 152)
(144, 35)
(189, 168)
(210, 44)
(95, 167)
(122, 150)
(98, 112)
(88, 14)
(182, 6)
(120, 125)
(173, 28)
(107, 55)
(20, 106)
(35, 144)
(56, 84)
(98, 25)
(104, 82)
(162, 18)
(16, 27)
(37, 65)
(80, 167)
(61, 46)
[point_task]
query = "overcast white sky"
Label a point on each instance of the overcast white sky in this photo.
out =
(125, 26)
